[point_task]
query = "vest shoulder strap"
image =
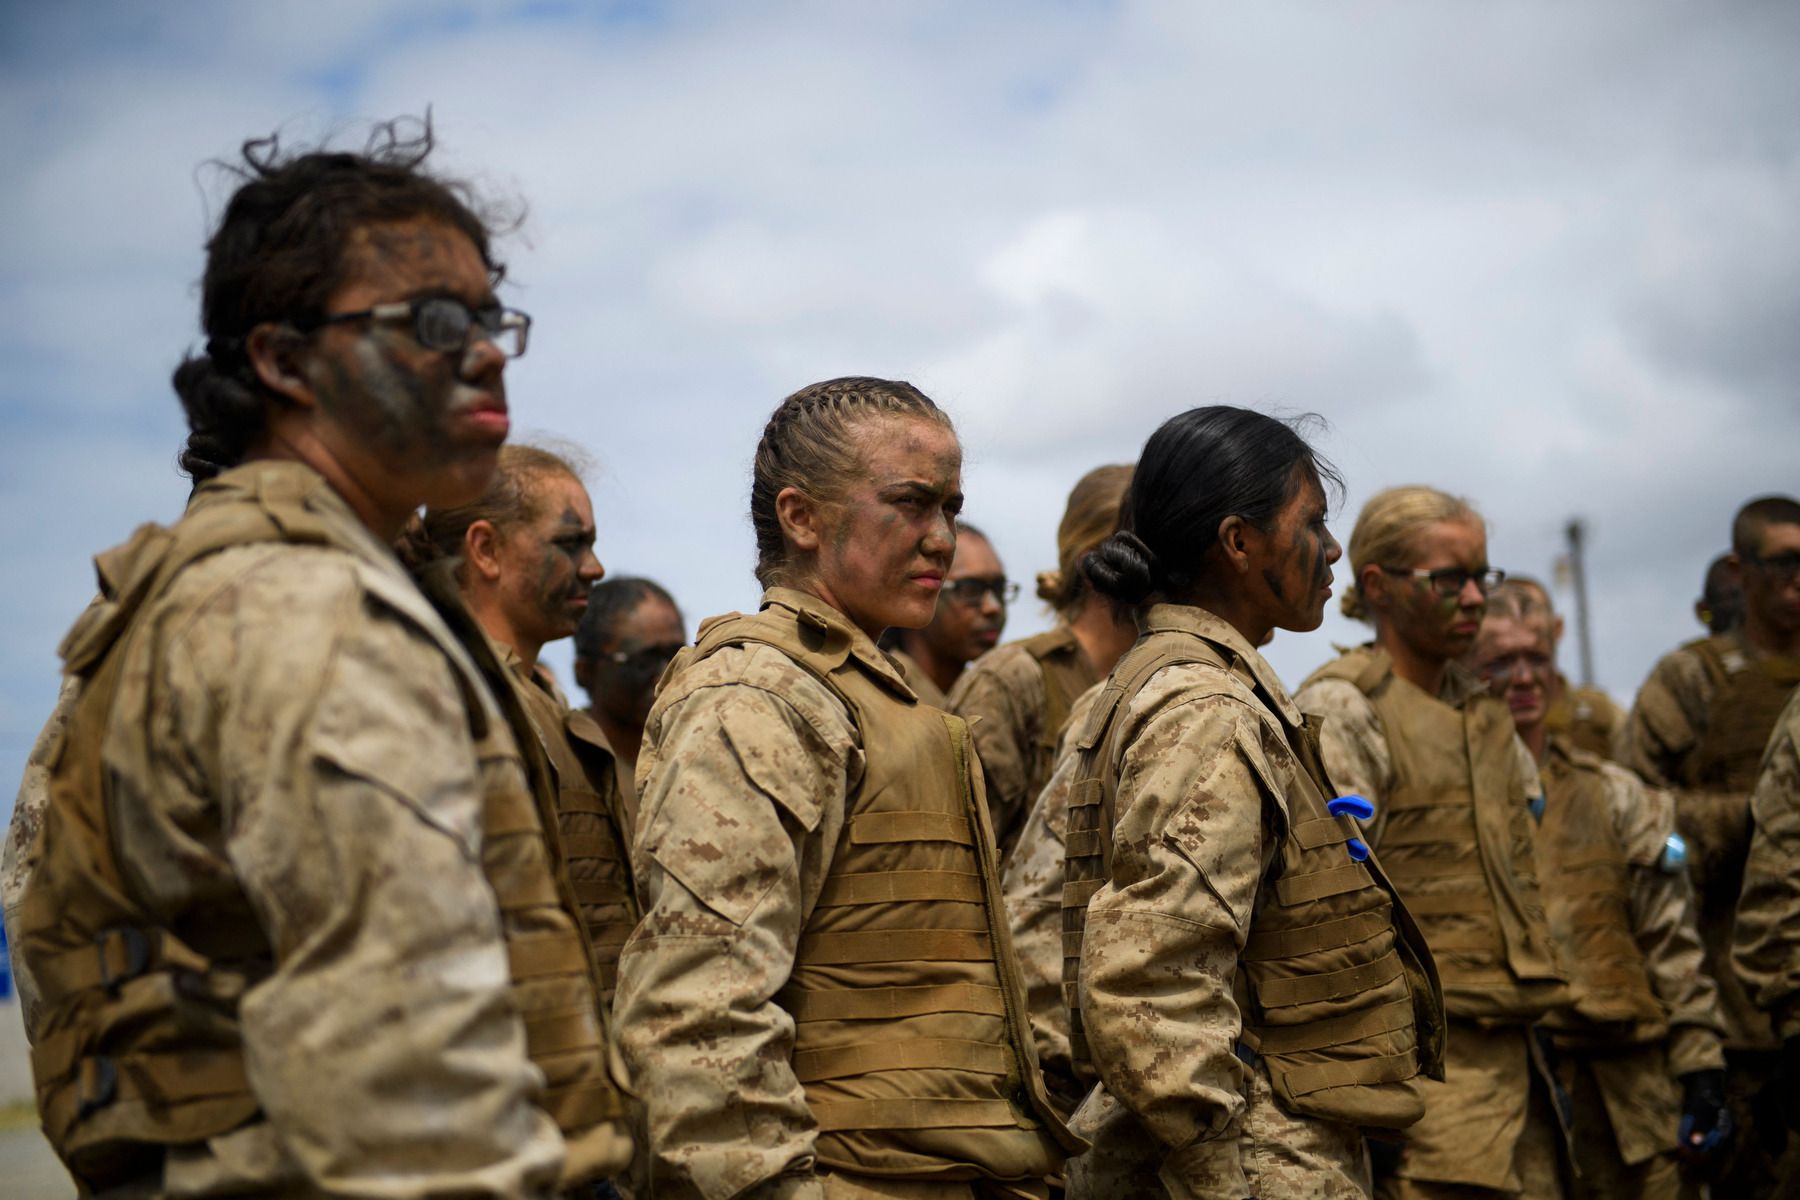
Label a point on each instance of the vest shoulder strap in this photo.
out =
(1363, 666)
(1042, 645)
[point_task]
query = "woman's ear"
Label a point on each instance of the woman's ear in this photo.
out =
(800, 520)
(1372, 581)
(1234, 543)
(481, 549)
(275, 352)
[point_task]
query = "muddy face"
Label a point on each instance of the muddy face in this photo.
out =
(547, 564)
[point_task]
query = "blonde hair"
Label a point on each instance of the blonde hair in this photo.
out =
(1523, 599)
(1092, 516)
(509, 502)
(1386, 528)
(810, 443)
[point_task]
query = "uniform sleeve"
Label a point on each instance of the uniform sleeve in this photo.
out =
(384, 1047)
(1161, 946)
(1665, 719)
(1663, 918)
(1032, 888)
(743, 799)
(19, 857)
(1353, 745)
(1004, 728)
(1767, 950)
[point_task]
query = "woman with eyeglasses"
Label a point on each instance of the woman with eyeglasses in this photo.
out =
(821, 1002)
(627, 636)
(1450, 785)
(970, 617)
(522, 555)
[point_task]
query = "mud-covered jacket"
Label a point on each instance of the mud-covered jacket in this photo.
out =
(823, 973)
(1767, 950)
(1699, 727)
(1016, 699)
(1455, 835)
(293, 915)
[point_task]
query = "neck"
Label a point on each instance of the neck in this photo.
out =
(626, 740)
(1234, 609)
(1424, 672)
(493, 621)
(1102, 638)
(1764, 639)
(385, 520)
(941, 671)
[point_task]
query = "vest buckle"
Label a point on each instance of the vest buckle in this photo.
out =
(96, 1084)
(124, 946)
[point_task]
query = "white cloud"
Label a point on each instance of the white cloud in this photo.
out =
(1537, 253)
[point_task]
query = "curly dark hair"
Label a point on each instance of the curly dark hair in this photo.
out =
(278, 254)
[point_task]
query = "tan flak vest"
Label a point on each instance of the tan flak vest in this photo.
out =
(594, 824)
(1748, 699)
(1587, 900)
(1338, 992)
(1459, 846)
(138, 1046)
(1067, 673)
(910, 1022)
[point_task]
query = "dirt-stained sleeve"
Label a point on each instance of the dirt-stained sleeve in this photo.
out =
(1664, 919)
(1003, 702)
(1666, 718)
(18, 858)
(1162, 941)
(1353, 745)
(743, 784)
(1767, 950)
(311, 747)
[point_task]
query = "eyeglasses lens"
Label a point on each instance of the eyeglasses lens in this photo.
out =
(443, 324)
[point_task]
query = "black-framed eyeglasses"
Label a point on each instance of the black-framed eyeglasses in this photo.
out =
(646, 656)
(444, 323)
(970, 591)
(1450, 581)
(1783, 566)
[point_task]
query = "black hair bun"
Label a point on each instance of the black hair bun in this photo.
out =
(224, 416)
(1122, 568)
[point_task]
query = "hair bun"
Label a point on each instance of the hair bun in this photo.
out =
(1049, 586)
(1123, 568)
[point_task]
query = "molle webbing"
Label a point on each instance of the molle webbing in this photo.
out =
(1342, 1005)
(1588, 898)
(908, 1013)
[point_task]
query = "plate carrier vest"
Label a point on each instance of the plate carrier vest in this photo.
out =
(910, 1036)
(593, 825)
(1587, 899)
(1459, 847)
(1748, 699)
(138, 1045)
(1344, 1005)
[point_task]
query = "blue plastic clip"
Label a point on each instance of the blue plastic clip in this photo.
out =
(1674, 855)
(1362, 810)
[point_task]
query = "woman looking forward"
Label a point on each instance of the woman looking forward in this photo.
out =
(821, 999)
(1247, 985)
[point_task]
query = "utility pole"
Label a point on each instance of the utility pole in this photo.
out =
(1575, 564)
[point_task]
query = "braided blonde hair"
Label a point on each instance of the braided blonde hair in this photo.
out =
(810, 444)
(1385, 530)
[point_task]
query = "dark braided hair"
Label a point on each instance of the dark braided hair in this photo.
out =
(1197, 469)
(809, 444)
(279, 253)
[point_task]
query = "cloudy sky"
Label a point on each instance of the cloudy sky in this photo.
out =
(1542, 254)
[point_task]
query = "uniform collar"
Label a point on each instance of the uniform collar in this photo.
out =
(808, 609)
(1243, 657)
(1460, 685)
(285, 485)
